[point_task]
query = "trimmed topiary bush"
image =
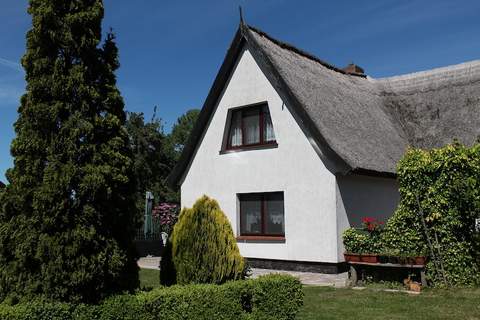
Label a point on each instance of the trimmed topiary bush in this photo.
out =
(276, 297)
(440, 200)
(204, 248)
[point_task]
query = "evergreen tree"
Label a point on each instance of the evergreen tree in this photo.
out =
(67, 218)
(204, 248)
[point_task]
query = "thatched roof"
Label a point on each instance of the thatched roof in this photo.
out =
(363, 124)
(436, 106)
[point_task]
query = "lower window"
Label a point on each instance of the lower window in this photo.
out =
(262, 214)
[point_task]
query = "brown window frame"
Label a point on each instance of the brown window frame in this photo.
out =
(260, 108)
(263, 214)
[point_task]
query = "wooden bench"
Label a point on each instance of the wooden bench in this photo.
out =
(354, 266)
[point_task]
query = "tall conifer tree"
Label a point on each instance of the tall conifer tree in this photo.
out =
(67, 215)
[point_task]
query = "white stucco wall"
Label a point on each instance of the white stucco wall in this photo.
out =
(362, 196)
(294, 168)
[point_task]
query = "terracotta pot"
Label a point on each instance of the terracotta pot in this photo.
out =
(352, 257)
(420, 261)
(369, 258)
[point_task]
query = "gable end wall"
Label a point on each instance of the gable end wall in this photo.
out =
(294, 167)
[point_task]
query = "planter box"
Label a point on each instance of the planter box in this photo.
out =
(352, 257)
(369, 258)
(355, 257)
(421, 261)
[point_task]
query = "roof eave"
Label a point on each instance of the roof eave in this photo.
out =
(281, 86)
(243, 36)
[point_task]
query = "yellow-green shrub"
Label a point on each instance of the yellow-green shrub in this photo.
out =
(204, 248)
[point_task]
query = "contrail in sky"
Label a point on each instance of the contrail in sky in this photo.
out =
(10, 64)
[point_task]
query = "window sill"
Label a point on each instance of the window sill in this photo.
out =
(261, 238)
(248, 148)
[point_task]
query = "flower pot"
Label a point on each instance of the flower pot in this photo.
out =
(420, 261)
(403, 260)
(369, 258)
(383, 259)
(352, 257)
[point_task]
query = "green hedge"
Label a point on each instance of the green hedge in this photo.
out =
(266, 298)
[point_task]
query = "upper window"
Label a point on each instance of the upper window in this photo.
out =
(250, 126)
(262, 214)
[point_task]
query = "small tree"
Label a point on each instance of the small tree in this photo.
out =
(204, 249)
(181, 132)
(152, 163)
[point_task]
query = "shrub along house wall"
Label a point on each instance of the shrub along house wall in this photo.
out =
(444, 184)
(273, 297)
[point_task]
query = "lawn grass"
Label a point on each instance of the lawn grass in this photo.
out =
(330, 303)
(149, 278)
(371, 304)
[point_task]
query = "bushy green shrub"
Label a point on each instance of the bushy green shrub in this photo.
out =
(272, 297)
(444, 185)
(204, 248)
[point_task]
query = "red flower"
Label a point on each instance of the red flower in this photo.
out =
(371, 224)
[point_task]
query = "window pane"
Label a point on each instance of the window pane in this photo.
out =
(275, 221)
(251, 214)
(235, 138)
(268, 133)
(251, 127)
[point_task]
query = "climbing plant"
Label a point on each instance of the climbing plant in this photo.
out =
(440, 202)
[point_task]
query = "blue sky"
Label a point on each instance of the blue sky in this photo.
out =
(171, 50)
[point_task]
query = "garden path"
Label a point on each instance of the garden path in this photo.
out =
(307, 278)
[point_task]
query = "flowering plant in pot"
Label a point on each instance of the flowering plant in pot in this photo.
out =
(363, 245)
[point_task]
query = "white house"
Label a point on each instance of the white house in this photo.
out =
(296, 150)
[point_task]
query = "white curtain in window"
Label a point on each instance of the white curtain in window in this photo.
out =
(268, 133)
(275, 223)
(236, 130)
(252, 215)
(252, 128)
